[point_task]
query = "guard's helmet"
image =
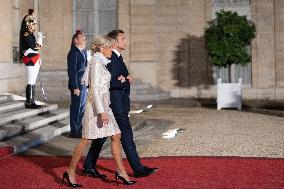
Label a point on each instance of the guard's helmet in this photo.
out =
(30, 21)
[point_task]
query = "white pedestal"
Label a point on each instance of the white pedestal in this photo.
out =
(229, 95)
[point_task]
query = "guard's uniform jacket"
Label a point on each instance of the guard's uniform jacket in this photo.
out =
(31, 54)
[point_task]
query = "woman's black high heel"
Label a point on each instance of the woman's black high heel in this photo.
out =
(66, 176)
(126, 182)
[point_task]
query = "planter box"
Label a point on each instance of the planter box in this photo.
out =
(229, 95)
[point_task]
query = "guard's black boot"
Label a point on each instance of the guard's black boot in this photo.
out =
(30, 102)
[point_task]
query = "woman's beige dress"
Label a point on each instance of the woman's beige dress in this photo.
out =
(98, 78)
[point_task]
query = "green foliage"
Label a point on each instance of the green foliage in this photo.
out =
(228, 37)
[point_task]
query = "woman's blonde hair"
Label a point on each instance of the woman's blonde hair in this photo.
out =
(101, 41)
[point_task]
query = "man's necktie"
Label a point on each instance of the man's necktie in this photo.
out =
(120, 58)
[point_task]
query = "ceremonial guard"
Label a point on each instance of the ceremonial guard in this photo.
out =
(31, 58)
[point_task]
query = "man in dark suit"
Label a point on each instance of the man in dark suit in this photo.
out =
(77, 62)
(120, 105)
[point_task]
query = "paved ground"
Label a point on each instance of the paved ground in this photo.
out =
(253, 132)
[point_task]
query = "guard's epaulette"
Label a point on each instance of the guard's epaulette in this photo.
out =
(26, 34)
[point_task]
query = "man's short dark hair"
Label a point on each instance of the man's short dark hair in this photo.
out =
(75, 36)
(114, 34)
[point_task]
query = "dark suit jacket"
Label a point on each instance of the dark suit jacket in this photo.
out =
(119, 92)
(76, 62)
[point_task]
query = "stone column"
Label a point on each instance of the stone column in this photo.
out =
(6, 40)
(123, 22)
(11, 74)
(143, 49)
(263, 47)
(279, 42)
(56, 22)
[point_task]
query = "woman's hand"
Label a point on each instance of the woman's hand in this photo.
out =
(104, 117)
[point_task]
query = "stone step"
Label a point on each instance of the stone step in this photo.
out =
(7, 117)
(48, 90)
(150, 97)
(7, 106)
(141, 86)
(147, 91)
(28, 124)
(50, 83)
(4, 98)
(54, 95)
(54, 78)
(56, 88)
(57, 73)
(31, 139)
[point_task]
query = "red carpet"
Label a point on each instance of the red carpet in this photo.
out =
(40, 172)
(6, 151)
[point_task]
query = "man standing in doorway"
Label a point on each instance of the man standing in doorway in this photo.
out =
(77, 62)
(120, 105)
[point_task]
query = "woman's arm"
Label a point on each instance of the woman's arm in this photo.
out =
(95, 87)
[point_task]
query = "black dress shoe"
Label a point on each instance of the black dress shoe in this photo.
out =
(147, 171)
(32, 106)
(94, 173)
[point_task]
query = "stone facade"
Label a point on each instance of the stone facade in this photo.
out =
(54, 19)
(11, 75)
(56, 22)
(167, 39)
(165, 42)
(267, 74)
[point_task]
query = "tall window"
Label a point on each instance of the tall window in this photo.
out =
(242, 7)
(94, 17)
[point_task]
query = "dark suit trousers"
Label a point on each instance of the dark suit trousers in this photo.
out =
(77, 109)
(127, 142)
(93, 153)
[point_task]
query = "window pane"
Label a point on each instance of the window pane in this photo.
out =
(101, 17)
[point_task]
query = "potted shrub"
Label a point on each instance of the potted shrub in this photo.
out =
(227, 39)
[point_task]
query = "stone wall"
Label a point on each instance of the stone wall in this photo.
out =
(143, 50)
(12, 75)
(279, 42)
(6, 21)
(180, 41)
(166, 42)
(56, 22)
(267, 51)
(54, 19)
(263, 62)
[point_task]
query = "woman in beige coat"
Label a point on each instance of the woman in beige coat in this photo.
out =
(98, 120)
